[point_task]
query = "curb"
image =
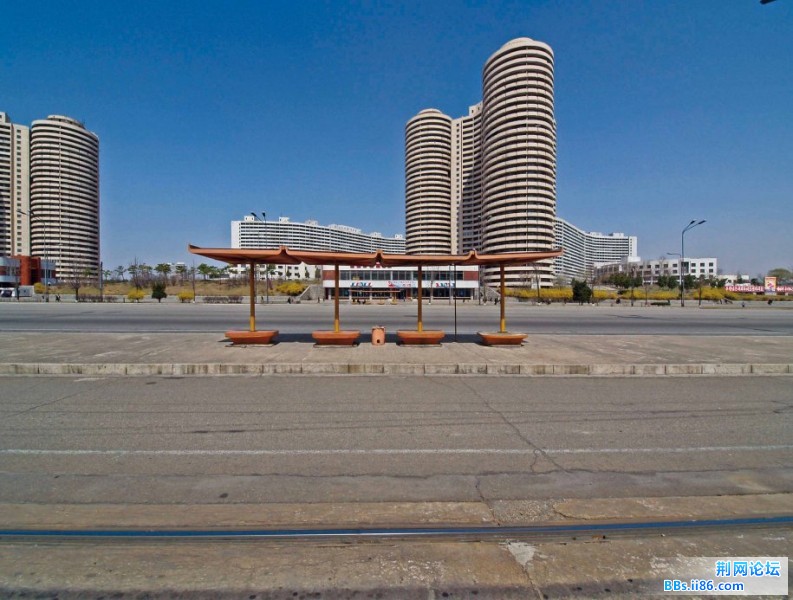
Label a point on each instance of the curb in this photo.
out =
(307, 368)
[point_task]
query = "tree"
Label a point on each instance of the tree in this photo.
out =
(163, 269)
(581, 291)
(781, 274)
(78, 280)
(205, 270)
(689, 281)
(158, 291)
(181, 271)
(144, 271)
(119, 271)
(134, 273)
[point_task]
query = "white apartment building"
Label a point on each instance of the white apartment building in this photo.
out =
(487, 181)
(428, 184)
(651, 270)
(252, 232)
(64, 195)
(14, 187)
(584, 249)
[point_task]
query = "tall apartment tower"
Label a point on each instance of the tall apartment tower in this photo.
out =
(64, 195)
(14, 187)
(429, 212)
(502, 168)
(467, 179)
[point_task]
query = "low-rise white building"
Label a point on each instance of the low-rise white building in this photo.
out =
(252, 232)
(584, 249)
(651, 270)
(368, 284)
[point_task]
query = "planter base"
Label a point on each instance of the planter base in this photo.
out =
(336, 338)
(498, 338)
(251, 337)
(421, 338)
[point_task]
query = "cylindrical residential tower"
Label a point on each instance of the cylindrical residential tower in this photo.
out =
(519, 156)
(429, 219)
(64, 196)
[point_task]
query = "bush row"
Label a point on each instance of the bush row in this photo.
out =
(223, 299)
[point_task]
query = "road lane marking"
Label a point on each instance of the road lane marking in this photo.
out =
(390, 451)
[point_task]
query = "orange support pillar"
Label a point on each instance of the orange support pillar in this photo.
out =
(503, 297)
(336, 298)
(420, 324)
(252, 286)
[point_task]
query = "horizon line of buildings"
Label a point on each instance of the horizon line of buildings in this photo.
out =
(582, 248)
(485, 181)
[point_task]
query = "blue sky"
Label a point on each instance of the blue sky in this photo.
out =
(206, 110)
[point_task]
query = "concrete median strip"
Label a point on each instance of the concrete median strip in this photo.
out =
(341, 368)
(388, 514)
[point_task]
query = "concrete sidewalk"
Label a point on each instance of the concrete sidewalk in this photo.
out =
(181, 354)
(512, 566)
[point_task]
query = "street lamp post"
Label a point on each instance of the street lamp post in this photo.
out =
(691, 225)
(266, 267)
(44, 269)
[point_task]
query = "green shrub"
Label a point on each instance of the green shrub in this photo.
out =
(158, 291)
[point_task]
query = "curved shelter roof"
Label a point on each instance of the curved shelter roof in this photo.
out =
(288, 256)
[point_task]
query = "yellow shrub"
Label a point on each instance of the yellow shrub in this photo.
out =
(604, 295)
(290, 288)
(186, 296)
(136, 295)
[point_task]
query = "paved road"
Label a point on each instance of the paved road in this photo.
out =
(262, 451)
(390, 439)
(304, 318)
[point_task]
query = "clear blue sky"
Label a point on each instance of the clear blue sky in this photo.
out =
(206, 110)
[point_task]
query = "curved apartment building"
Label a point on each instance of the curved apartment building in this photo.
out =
(64, 195)
(519, 154)
(500, 194)
(429, 219)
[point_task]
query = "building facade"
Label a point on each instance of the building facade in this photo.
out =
(501, 182)
(429, 214)
(64, 196)
(380, 284)
(252, 232)
(467, 179)
(14, 187)
(584, 249)
(25, 271)
(651, 270)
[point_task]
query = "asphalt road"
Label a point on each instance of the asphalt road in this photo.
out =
(304, 318)
(390, 439)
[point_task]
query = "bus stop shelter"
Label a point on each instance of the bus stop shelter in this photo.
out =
(338, 336)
